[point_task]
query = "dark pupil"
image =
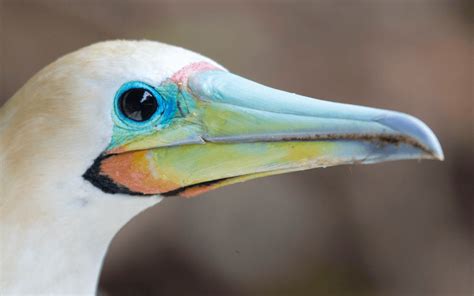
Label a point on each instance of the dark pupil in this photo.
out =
(138, 104)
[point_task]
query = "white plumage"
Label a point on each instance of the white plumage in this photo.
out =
(55, 226)
(63, 150)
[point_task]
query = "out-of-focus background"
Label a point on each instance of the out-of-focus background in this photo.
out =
(401, 228)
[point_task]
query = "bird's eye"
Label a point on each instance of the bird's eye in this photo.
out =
(138, 104)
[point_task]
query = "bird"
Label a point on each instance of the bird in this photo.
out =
(111, 129)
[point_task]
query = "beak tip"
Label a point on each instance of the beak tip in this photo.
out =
(435, 153)
(438, 154)
(413, 128)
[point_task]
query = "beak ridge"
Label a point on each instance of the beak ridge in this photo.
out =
(260, 114)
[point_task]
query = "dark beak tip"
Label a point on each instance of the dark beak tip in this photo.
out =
(411, 127)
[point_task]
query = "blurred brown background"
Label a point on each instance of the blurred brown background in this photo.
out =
(403, 228)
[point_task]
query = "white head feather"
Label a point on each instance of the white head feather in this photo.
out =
(55, 225)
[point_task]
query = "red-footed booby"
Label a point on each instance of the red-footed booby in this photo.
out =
(105, 132)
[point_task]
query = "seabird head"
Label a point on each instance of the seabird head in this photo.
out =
(145, 118)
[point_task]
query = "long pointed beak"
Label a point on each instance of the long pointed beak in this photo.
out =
(241, 110)
(231, 129)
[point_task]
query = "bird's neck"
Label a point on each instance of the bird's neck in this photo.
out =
(60, 248)
(55, 227)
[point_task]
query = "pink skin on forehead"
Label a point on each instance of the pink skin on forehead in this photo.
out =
(181, 77)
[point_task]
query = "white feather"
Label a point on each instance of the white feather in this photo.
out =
(56, 227)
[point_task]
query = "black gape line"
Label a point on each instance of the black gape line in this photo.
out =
(103, 182)
(182, 189)
(107, 185)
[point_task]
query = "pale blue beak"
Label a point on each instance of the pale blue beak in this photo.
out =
(225, 129)
(256, 113)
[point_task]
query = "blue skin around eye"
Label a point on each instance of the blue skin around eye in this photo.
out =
(125, 129)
